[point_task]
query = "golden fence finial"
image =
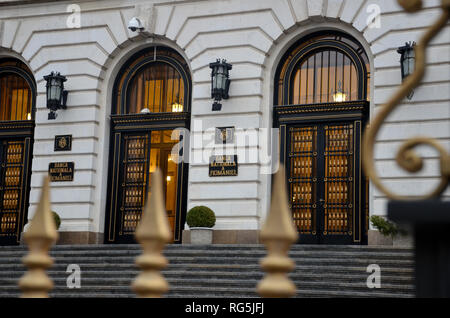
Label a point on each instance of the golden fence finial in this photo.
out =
(406, 157)
(278, 233)
(153, 233)
(40, 236)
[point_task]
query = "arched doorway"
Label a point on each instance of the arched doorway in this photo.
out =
(17, 98)
(321, 106)
(151, 99)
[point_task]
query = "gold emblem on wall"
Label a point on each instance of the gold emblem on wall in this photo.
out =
(63, 143)
(224, 135)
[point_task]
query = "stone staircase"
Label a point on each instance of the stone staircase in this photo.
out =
(220, 270)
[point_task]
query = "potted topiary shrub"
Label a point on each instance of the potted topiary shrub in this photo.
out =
(389, 229)
(201, 219)
(57, 220)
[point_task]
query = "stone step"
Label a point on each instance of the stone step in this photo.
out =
(204, 292)
(217, 247)
(298, 275)
(92, 283)
(213, 253)
(219, 270)
(222, 260)
(220, 267)
(16, 294)
(193, 295)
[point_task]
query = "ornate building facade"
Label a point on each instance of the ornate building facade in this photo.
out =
(306, 77)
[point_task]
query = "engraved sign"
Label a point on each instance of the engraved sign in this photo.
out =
(223, 166)
(63, 143)
(61, 171)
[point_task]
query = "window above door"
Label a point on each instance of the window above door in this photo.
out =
(16, 91)
(155, 80)
(325, 67)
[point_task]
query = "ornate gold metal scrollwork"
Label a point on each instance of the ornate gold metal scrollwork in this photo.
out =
(406, 157)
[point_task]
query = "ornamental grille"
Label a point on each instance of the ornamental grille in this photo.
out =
(11, 173)
(321, 173)
(303, 178)
(133, 188)
(338, 179)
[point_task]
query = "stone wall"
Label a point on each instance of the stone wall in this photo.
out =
(252, 36)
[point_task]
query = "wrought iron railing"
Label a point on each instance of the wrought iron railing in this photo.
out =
(406, 157)
(426, 214)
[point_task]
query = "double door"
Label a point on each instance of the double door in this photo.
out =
(325, 181)
(14, 187)
(136, 156)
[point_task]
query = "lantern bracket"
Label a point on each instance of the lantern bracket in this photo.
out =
(407, 62)
(220, 82)
(55, 93)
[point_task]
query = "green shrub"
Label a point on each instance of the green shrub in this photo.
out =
(57, 219)
(200, 216)
(386, 227)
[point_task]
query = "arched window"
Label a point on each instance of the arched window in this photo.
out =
(323, 68)
(16, 91)
(17, 96)
(156, 82)
(157, 88)
(151, 100)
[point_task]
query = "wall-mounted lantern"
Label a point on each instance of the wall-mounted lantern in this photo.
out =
(407, 61)
(220, 82)
(56, 95)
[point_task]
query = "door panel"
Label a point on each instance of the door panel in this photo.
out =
(321, 181)
(13, 188)
(139, 155)
(134, 182)
(338, 181)
(302, 181)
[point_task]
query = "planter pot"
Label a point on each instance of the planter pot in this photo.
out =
(403, 241)
(201, 235)
(25, 228)
(377, 239)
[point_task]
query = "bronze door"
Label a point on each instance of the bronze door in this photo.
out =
(136, 156)
(324, 181)
(14, 186)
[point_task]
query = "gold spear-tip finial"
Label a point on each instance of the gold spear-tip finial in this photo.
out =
(153, 233)
(278, 233)
(39, 238)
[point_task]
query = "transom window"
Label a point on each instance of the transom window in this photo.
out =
(156, 82)
(156, 88)
(15, 92)
(324, 68)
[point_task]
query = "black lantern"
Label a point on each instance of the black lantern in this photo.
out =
(407, 59)
(56, 95)
(220, 82)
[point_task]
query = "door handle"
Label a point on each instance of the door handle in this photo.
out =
(321, 200)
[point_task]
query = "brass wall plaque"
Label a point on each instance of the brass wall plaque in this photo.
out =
(223, 166)
(63, 143)
(61, 171)
(224, 135)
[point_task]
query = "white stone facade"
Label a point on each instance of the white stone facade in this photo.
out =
(252, 35)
